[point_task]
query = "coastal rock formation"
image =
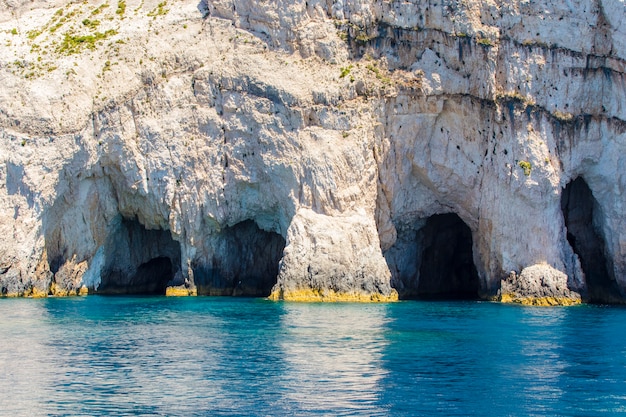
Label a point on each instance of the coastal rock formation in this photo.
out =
(539, 285)
(321, 150)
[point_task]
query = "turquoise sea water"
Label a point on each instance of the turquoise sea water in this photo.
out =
(226, 356)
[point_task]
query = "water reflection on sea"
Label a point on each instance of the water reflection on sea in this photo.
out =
(224, 356)
(333, 358)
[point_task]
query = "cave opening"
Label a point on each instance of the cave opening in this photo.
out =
(244, 263)
(580, 212)
(141, 261)
(447, 269)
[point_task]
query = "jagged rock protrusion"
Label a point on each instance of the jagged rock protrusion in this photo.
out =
(537, 285)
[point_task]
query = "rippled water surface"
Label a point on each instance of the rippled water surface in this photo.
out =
(224, 356)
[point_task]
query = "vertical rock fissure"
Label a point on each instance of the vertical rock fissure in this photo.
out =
(244, 263)
(447, 269)
(579, 209)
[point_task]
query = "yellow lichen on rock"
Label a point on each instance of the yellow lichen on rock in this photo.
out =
(537, 285)
(314, 295)
(538, 301)
(37, 293)
(57, 291)
(60, 291)
(32, 292)
(180, 291)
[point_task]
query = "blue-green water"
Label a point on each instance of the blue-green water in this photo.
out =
(224, 356)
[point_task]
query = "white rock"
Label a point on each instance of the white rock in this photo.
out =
(341, 128)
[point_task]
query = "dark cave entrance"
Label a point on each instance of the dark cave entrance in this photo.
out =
(152, 276)
(580, 209)
(245, 262)
(447, 269)
(140, 261)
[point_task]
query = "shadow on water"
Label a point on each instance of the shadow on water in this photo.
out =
(431, 360)
(476, 358)
(594, 352)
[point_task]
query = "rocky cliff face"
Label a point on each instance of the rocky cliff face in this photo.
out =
(331, 150)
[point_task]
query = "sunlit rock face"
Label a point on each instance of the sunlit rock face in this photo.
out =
(308, 150)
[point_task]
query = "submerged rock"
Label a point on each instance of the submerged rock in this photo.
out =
(309, 150)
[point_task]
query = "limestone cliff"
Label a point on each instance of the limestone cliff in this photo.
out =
(314, 149)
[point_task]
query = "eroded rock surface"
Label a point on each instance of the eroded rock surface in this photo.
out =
(314, 140)
(538, 285)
